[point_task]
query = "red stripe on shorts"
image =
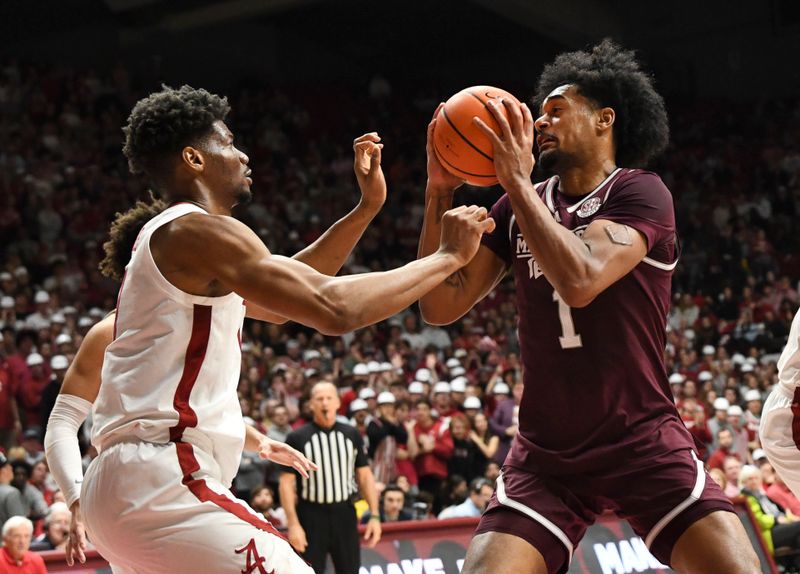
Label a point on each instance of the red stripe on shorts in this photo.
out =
(796, 417)
(187, 418)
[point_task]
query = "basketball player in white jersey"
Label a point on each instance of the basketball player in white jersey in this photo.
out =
(780, 418)
(167, 423)
(82, 384)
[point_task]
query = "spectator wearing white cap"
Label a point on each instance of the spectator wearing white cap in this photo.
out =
(58, 366)
(719, 420)
(752, 413)
(452, 363)
(435, 448)
(502, 422)
(30, 394)
(360, 379)
(386, 434)
(360, 417)
(740, 435)
(472, 406)
(676, 381)
(369, 395)
(458, 389)
(442, 403)
(458, 372)
(416, 390)
(40, 318)
(8, 313)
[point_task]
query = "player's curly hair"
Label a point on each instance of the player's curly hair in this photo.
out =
(161, 124)
(610, 76)
(123, 234)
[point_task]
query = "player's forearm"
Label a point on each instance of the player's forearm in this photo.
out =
(252, 439)
(289, 499)
(328, 253)
(437, 202)
(564, 259)
(372, 297)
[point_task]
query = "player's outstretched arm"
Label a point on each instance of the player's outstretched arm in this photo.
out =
(459, 292)
(235, 258)
(80, 388)
(328, 253)
(579, 268)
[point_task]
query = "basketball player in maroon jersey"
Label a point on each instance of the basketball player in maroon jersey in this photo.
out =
(592, 250)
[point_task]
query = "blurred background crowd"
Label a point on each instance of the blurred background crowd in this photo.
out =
(437, 407)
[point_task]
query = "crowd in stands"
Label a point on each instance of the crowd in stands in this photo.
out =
(437, 407)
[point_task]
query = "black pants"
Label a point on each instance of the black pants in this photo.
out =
(330, 529)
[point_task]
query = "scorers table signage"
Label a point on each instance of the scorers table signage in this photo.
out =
(439, 547)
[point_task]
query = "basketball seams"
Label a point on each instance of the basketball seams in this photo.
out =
(469, 143)
(442, 159)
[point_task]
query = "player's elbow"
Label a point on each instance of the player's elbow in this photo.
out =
(336, 313)
(435, 313)
(577, 295)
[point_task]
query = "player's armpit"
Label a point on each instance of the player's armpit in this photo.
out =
(253, 311)
(615, 249)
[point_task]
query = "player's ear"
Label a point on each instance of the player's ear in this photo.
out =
(605, 118)
(193, 159)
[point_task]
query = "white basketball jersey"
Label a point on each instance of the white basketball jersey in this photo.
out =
(789, 363)
(172, 371)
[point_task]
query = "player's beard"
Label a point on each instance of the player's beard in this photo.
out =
(554, 161)
(244, 197)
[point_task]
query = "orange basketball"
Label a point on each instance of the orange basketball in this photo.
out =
(459, 144)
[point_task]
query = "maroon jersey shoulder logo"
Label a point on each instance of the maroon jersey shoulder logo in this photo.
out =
(254, 563)
(590, 207)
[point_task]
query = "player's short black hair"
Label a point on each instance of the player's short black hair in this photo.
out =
(610, 76)
(122, 236)
(161, 124)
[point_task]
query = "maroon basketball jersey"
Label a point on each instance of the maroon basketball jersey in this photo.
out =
(596, 391)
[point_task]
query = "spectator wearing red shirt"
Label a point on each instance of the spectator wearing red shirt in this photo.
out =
(435, 448)
(442, 401)
(779, 493)
(10, 425)
(725, 440)
(694, 417)
(29, 391)
(15, 557)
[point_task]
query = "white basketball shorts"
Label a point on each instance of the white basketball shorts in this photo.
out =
(159, 508)
(780, 435)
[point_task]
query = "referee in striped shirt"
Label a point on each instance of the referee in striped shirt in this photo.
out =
(319, 510)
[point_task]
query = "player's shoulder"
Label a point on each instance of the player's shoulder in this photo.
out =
(640, 178)
(632, 184)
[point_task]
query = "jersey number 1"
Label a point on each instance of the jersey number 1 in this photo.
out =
(569, 339)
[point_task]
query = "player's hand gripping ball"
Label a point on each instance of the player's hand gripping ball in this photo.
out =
(459, 144)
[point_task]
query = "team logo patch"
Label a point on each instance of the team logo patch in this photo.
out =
(589, 207)
(254, 563)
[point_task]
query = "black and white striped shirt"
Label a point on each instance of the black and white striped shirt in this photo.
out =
(337, 451)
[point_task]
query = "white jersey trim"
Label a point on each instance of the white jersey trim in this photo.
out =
(659, 265)
(612, 175)
(503, 499)
(693, 497)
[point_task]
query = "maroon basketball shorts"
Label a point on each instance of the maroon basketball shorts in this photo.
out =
(660, 497)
